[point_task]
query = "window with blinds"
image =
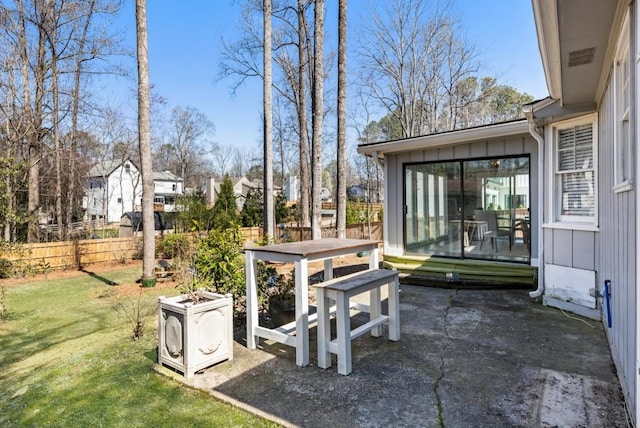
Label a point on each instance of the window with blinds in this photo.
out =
(575, 172)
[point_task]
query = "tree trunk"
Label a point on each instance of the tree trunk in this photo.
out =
(303, 47)
(144, 141)
(316, 139)
(269, 212)
(342, 120)
(55, 95)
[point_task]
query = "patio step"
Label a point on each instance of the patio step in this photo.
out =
(427, 269)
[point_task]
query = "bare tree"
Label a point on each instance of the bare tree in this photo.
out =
(35, 114)
(413, 59)
(47, 63)
(144, 141)
(188, 141)
(81, 58)
(317, 108)
(269, 212)
(301, 107)
(342, 119)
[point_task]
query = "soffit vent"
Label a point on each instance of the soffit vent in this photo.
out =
(581, 57)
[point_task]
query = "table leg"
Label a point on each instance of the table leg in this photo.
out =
(373, 258)
(252, 299)
(302, 312)
(328, 269)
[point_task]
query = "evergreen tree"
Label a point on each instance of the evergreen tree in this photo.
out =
(282, 211)
(251, 214)
(194, 215)
(225, 210)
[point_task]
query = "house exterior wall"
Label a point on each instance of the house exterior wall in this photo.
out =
(616, 246)
(394, 192)
(95, 198)
(616, 254)
(124, 190)
(164, 187)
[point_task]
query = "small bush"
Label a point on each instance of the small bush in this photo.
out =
(135, 312)
(6, 268)
(174, 246)
(219, 265)
(15, 265)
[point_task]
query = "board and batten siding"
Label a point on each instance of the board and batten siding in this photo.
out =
(394, 192)
(616, 252)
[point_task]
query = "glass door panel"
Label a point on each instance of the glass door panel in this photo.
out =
(496, 195)
(433, 204)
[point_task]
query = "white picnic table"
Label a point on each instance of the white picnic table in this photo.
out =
(300, 254)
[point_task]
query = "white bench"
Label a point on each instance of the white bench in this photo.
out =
(341, 290)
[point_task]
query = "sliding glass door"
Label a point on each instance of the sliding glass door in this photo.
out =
(475, 209)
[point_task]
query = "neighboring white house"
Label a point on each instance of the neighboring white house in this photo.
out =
(167, 188)
(291, 189)
(115, 187)
(561, 184)
(241, 187)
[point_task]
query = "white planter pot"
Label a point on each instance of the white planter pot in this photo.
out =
(194, 336)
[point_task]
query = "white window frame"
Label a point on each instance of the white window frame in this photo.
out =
(557, 219)
(623, 136)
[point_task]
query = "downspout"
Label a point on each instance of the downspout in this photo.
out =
(533, 130)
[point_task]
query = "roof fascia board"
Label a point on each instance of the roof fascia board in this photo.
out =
(545, 15)
(447, 138)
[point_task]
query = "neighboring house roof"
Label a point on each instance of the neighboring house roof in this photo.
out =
(484, 132)
(106, 168)
(165, 176)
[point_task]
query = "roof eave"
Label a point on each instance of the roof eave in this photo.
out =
(545, 15)
(447, 138)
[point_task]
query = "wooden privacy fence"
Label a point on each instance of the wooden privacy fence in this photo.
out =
(78, 253)
(353, 231)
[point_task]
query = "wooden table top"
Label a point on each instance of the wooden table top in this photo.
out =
(316, 247)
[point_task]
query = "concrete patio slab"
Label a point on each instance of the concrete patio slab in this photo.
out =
(466, 358)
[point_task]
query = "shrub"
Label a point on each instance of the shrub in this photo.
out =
(174, 246)
(135, 312)
(15, 265)
(219, 264)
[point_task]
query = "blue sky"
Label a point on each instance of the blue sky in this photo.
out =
(184, 52)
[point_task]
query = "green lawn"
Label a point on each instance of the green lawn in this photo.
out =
(67, 359)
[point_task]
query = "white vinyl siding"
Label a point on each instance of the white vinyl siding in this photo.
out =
(574, 175)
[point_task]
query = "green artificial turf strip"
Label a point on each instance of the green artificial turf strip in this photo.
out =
(67, 359)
